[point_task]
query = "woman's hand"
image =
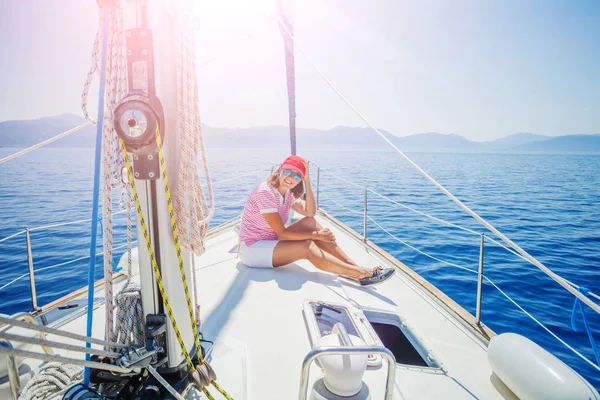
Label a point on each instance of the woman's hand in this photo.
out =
(324, 235)
(307, 174)
(310, 205)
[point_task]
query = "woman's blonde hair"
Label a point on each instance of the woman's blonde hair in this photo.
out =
(297, 191)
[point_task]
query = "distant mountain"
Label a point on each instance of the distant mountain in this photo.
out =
(515, 140)
(437, 143)
(27, 133)
(565, 144)
(277, 137)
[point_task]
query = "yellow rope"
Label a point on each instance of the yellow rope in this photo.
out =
(179, 259)
(188, 299)
(157, 274)
(221, 390)
(208, 395)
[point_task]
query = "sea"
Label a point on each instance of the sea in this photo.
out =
(548, 204)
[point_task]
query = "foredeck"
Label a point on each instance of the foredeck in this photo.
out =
(255, 319)
(257, 314)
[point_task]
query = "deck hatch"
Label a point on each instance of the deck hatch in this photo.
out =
(328, 315)
(399, 337)
(376, 328)
(394, 339)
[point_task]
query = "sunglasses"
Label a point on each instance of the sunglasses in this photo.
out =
(295, 175)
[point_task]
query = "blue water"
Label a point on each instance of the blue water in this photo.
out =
(546, 203)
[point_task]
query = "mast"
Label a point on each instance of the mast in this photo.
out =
(285, 12)
(152, 104)
(159, 137)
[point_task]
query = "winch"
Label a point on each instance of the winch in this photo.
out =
(139, 115)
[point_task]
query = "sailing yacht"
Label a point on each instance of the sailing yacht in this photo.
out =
(184, 318)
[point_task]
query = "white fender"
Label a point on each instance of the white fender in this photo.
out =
(533, 373)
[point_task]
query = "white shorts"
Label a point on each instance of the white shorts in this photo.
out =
(259, 255)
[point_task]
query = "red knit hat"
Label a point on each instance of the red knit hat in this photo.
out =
(296, 164)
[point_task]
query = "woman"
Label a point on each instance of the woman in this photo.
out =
(265, 241)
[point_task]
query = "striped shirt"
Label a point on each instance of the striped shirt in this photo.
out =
(263, 199)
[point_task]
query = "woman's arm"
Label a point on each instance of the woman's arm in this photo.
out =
(274, 220)
(309, 204)
(307, 207)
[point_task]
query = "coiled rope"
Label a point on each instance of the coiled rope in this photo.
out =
(52, 377)
(192, 213)
(129, 328)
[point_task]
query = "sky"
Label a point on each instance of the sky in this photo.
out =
(481, 69)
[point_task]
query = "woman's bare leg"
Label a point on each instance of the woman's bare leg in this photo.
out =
(288, 251)
(308, 224)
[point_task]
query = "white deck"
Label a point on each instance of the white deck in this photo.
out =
(260, 311)
(255, 318)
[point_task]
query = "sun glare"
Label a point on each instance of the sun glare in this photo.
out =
(234, 13)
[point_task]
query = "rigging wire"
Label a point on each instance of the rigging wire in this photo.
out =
(444, 222)
(45, 142)
(398, 239)
(557, 278)
(484, 277)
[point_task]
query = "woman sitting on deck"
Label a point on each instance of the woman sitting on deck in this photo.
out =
(265, 242)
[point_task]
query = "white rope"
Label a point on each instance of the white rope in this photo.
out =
(500, 244)
(45, 142)
(129, 233)
(341, 205)
(129, 328)
(12, 236)
(57, 345)
(542, 325)
(443, 222)
(195, 288)
(42, 227)
(37, 228)
(56, 265)
(112, 162)
(14, 280)
(555, 277)
(52, 331)
(50, 379)
(192, 213)
(576, 286)
(65, 360)
(45, 268)
(488, 238)
(342, 179)
(434, 218)
(421, 252)
(487, 279)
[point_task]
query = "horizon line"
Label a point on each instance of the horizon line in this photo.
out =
(70, 114)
